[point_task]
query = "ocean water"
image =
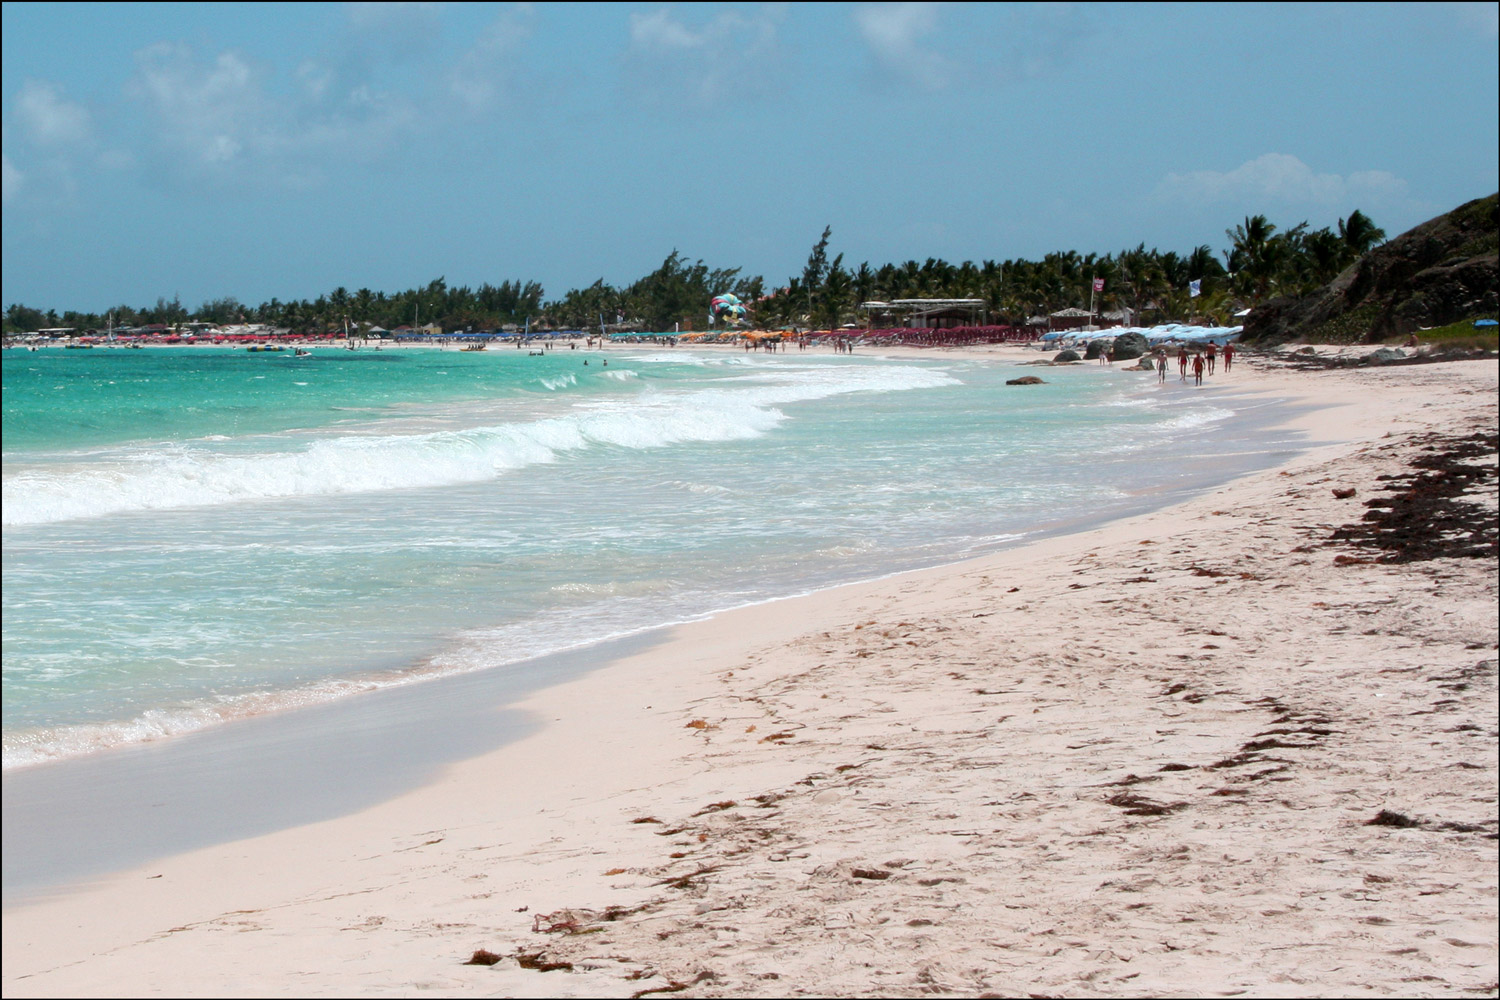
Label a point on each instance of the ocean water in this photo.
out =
(196, 535)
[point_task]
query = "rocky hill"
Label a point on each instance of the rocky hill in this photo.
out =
(1443, 271)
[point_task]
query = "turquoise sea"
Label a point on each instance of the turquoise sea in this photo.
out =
(195, 535)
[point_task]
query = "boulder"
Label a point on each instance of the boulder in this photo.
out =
(1096, 348)
(1130, 345)
(1025, 380)
(1064, 356)
(1383, 355)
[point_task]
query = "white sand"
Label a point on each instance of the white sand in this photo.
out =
(1040, 772)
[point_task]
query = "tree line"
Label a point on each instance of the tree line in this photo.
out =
(1261, 262)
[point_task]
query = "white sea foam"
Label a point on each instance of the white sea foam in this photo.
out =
(688, 358)
(26, 747)
(193, 475)
(479, 649)
(1195, 418)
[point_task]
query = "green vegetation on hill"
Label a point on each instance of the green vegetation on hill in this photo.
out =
(1442, 272)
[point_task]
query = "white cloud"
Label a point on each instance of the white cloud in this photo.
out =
(1282, 179)
(402, 16)
(895, 32)
(731, 55)
(659, 31)
(382, 36)
(1484, 17)
(933, 46)
(11, 179)
(481, 75)
(210, 113)
(315, 79)
(48, 118)
(221, 117)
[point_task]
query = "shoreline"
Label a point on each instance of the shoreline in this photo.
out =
(252, 748)
(108, 780)
(547, 822)
(86, 740)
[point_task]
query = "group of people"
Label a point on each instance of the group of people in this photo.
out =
(1199, 361)
(841, 345)
(766, 344)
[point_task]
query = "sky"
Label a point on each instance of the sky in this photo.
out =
(283, 150)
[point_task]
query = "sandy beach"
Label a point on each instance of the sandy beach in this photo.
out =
(1217, 749)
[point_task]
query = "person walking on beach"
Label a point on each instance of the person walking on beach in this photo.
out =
(1197, 369)
(1212, 352)
(1228, 357)
(1161, 367)
(1182, 360)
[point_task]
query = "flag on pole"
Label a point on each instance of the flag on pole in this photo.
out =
(1098, 284)
(1195, 288)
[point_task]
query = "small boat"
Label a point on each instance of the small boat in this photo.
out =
(265, 347)
(474, 347)
(78, 347)
(300, 353)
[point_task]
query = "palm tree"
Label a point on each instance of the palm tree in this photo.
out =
(1360, 234)
(1325, 256)
(1202, 263)
(1259, 255)
(1247, 251)
(837, 289)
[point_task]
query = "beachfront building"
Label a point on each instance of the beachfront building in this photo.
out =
(1074, 318)
(1071, 318)
(925, 313)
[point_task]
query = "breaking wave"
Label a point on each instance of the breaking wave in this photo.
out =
(201, 474)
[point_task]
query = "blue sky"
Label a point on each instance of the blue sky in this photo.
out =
(286, 149)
